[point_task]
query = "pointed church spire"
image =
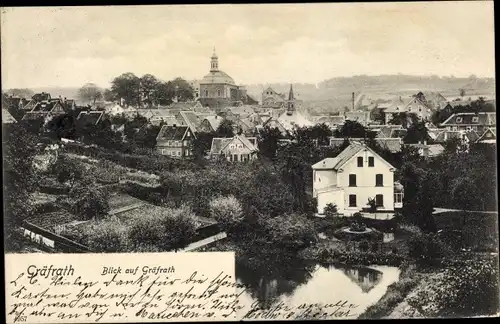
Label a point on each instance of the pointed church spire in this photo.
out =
(291, 102)
(290, 95)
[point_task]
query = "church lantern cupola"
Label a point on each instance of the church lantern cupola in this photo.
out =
(214, 62)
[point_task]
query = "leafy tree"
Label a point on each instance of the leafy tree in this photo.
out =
(268, 141)
(149, 85)
(416, 133)
(227, 211)
(127, 86)
(462, 93)
(225, 129)
(201, 145)
(20, 179)
(90, 93)
(67, 171)
(108, 95)
(403, 118)
(353, 129)
(183, 89)
(21, 92)
(62, 126)
(91, 201)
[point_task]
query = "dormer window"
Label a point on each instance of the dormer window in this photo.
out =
(475, 119)
(459, 120)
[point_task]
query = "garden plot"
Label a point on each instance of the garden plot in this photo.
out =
(118, 201)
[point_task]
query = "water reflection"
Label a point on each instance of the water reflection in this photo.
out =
(297, 282)
(365, 278)
(267, 281)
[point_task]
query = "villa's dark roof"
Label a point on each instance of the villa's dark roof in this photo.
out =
(175, 133)
(90, 117)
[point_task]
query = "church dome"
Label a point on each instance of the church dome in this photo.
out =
(217, 77)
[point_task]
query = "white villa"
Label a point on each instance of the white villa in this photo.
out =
(356, 174)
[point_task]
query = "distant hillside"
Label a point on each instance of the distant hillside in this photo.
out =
(334, 94)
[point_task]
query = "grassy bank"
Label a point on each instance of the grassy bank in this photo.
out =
(396, 293)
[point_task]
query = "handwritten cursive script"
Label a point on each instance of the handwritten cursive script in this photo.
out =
(118, 293)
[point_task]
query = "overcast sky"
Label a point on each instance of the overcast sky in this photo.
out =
(69, 46)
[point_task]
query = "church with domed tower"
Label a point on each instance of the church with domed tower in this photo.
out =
(218, 90)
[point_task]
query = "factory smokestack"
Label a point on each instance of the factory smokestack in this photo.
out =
(353, 101)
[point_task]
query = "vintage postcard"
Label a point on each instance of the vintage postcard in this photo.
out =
(249, 162)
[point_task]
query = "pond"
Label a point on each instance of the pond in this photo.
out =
(301, 283)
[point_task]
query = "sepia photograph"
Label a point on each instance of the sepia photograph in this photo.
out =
(250, 161)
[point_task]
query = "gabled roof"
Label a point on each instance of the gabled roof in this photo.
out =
(391, 144)
(41, 96)
(190, 119)
(186, 106)
(489, 135)
(345, 156)
(219, 144)
(90, 117)
(331, 120)
(247, 110)
(214, 121)
(483, 118)
(296, 118)
(7, 117)
(430, 150)
(398, 104)
(46, 106)
(172, 133)
(386, 131)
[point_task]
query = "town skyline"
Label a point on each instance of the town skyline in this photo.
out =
(256, 44)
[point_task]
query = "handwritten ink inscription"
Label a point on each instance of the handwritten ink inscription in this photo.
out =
(72, 292)
(50, 293)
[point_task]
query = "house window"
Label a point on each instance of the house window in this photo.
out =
(206, 93)
(188, 134)
(218, 93)
(352, 180)
(379, 180)
(379, 200)
(371, 161)
(475, 119)
(398, 197)
(360, 161)
(178, 153)
(459, 120)
(235, 157)
(314, 176)
(352, 200)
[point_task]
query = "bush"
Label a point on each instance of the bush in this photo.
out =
(164, 228)
(426, 247)
(106, 236)
(91, 202)
(330, 210)
(290, 231)
(227, 211)
(466, 288)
